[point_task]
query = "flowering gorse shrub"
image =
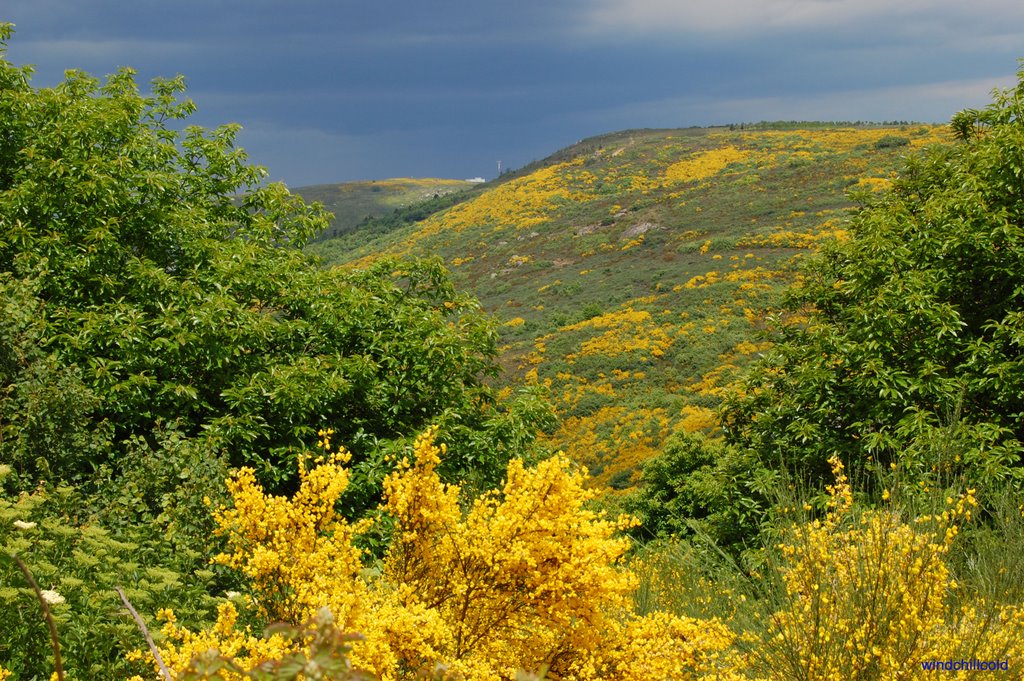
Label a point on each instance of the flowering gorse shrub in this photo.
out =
(295, 551)
(313, 650)
(868, 595)
(184, 650)
(526, 578)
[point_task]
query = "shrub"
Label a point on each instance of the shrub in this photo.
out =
(704, 486)
(891, 142)
(79, 565)
(868, 595)
(527, 578)
(853, 591)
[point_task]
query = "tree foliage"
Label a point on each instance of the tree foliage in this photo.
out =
(911, 349)
(153, 283)
(688, 484)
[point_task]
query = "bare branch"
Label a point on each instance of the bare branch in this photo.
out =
(46, 615)
(145, 632)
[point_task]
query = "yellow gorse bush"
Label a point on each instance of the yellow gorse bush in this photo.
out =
(868, 596)
(295, 550)
(520, 203)
(527, 578)
(182, 646)
(624, 330)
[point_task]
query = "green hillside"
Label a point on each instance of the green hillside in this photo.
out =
(633, 271)
(354, 203)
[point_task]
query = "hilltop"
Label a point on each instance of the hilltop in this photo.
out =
(355, 203)
(633, 272)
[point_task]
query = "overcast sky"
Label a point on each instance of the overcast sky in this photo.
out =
(337, 90)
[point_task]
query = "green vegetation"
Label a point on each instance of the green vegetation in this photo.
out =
(910, 352)
(635, 271)
(152, 284)
(376, 204)
(897, 350)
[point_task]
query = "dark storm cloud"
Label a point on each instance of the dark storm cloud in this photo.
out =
(329, 91)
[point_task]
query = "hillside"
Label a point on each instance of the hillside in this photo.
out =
(353, 203)
(633, 271)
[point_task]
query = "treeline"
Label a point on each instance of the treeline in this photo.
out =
(805, 125)
(376, 225)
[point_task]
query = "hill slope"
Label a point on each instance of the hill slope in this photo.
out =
(353, 203)
(633, 271)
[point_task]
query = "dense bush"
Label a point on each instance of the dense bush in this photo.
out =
(686, 488)
(891, 141)
(78, 566)
(528, 577)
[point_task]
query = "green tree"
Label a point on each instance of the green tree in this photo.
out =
(160, 324)
(912, 348)
(702, 486)
(161, 313)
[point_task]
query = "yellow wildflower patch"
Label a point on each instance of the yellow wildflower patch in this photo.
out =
(704, 165)
(528, 578)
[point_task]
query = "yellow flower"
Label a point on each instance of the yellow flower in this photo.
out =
(525, 577)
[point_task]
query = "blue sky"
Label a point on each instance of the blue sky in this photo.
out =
(338, 90)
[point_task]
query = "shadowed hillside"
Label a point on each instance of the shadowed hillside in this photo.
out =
(355, 203)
